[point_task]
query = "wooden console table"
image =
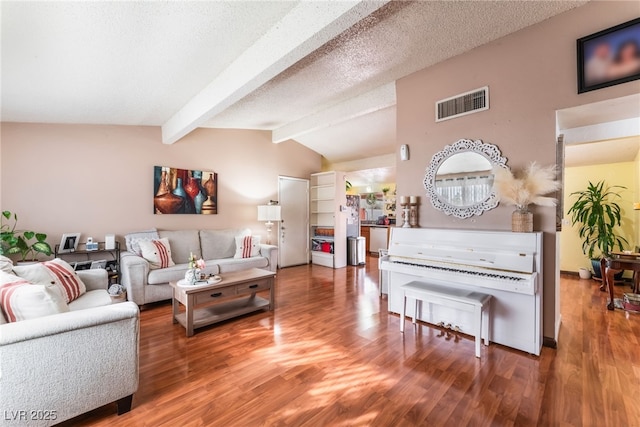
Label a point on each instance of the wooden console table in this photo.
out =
(233, 296)
(612, 265)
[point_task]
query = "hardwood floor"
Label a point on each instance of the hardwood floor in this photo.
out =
(330, 354)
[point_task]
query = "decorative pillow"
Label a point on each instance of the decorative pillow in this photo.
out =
(21, 300)
(247, 246)
(157, 252)
(132, 240)
(57, 274)
(6, 264)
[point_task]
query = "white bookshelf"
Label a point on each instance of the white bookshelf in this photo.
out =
(328, 221)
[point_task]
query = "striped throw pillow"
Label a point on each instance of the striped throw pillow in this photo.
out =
(247, 246)
(157, 252)
(21, 300)
(56, 274)
(66, 279)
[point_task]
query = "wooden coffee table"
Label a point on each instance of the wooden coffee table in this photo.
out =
(233, 296)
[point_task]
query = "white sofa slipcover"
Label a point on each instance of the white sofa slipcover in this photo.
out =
(215, 247)
(56, 367)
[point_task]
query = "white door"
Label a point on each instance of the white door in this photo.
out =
(293, 236)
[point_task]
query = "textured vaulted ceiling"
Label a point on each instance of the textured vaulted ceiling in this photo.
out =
(317, 72)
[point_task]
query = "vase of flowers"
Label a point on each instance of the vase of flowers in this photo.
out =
(195, 267)
(530, 188)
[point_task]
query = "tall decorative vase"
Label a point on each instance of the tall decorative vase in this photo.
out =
(208, 207)
(179, 191)
(210, 186)
(191, 187)
(166, 202)
(163, 188)
(198, 201)
(522, 220)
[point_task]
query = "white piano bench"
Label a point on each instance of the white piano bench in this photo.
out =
(474, 302)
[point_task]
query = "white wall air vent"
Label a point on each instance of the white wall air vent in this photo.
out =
(463, 104)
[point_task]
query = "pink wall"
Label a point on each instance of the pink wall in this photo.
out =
(99, 179)
(530, 75)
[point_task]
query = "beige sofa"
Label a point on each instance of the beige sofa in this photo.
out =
(56, 367)
(216, 247)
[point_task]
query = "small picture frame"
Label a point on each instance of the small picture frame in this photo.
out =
(82, 265)
(101, 263)
(609, 57)
(69, 243)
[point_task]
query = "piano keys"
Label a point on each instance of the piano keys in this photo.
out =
(504, 264)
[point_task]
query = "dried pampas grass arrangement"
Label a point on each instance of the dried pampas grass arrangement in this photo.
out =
(530, 188)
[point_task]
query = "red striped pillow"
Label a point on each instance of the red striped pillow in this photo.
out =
(247, 246)
(56, 274)
(66, 279)
(157, 252)
(20, 300)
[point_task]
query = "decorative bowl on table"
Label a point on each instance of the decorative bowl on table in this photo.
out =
(211, 280)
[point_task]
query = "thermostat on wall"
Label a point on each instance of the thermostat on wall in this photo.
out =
(404, 152)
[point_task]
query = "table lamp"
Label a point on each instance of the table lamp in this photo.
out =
(269, 213)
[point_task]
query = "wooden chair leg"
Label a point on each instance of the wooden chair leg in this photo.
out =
(124, 404)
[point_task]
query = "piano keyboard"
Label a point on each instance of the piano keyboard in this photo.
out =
(465, 270)
(454, 273)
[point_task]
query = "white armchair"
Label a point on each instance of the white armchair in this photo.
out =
(56, 367)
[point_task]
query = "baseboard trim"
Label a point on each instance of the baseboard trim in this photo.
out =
(570, 273)
(549, 342)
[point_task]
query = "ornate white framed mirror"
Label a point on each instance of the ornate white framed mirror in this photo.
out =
(459, 179)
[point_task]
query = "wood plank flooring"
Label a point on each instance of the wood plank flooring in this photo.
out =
(331, 355)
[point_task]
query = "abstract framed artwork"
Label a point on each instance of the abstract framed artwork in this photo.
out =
(609, 57)
(183, 191)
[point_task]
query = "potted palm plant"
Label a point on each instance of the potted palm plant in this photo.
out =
(598, 215)
(21, 242)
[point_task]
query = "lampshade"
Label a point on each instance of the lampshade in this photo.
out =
(269, 213)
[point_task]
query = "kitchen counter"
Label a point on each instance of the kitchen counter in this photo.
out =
(376, 235)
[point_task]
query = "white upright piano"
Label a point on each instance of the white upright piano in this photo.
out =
(506, 265)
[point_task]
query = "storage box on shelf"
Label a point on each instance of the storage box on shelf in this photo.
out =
(328, 222)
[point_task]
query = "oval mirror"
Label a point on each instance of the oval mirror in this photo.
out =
(459, 179)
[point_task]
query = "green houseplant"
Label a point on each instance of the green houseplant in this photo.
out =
(20, 242)
(597, 214)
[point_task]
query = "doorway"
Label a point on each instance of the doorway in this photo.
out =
(601, 143)
(293, 233)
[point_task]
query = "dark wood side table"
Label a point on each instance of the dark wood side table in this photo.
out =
(612, 265)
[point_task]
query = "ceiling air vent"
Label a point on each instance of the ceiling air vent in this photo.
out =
(463, 104)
